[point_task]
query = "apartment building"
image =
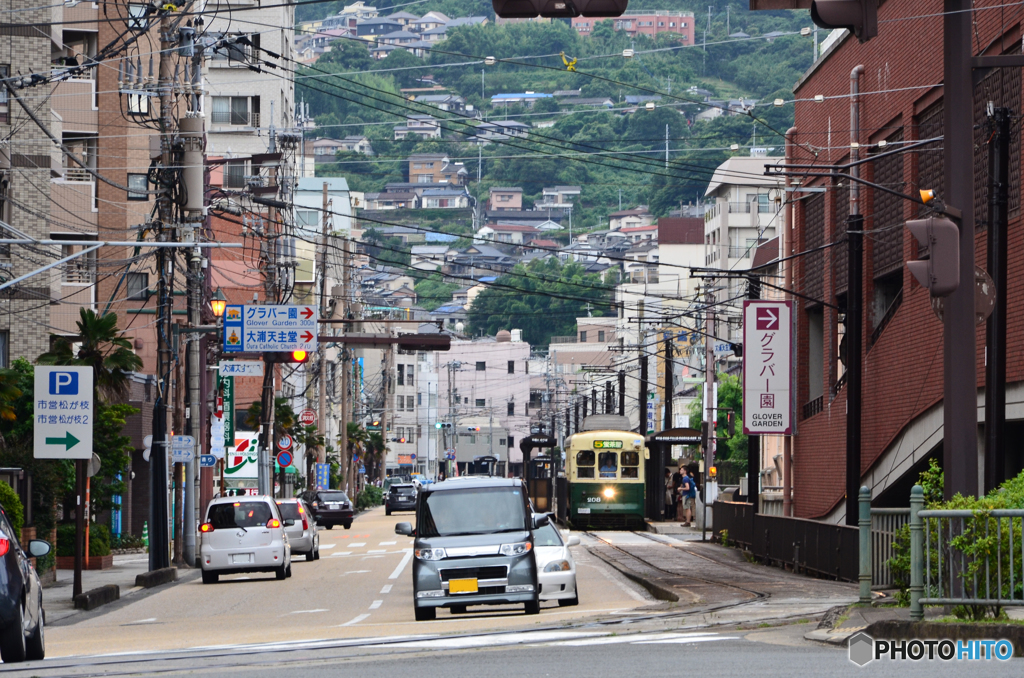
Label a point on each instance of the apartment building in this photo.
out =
(649, 22)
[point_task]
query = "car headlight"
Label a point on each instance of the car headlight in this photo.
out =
(430, 554)
(558, 566)
(517, 549)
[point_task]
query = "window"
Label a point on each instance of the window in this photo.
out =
(600, 335)
(481, 402)
(138, 104)
(401, 375)
(630, 465)
(234, 174)
(511, 366)
(307, 218)
(409, 371)
(138, 286)
(235, 111)
(511, 409)
(583, 337)
(585, 459)
(5, 71)
(399, 403)
(608, 464)
(481, 366)
(424, 178)
(138, 184)
(419, 398)
(410, 435)
(816, 353)
(137, 17)
(5, 353)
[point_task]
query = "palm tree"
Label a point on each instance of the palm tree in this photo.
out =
(9, 393)
(102, 347)
(357, 440)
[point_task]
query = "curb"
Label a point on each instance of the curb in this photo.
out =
(655, 589)
(153, 578)
(90, 600)
(838, 637)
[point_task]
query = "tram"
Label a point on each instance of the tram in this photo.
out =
(604, 467)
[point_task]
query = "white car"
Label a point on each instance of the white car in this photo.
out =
(556, 570)
(243, 534)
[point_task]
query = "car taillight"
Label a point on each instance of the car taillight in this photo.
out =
(305, 524)
(316, 504)
(5, 546)
(206, 527)
(273, 522)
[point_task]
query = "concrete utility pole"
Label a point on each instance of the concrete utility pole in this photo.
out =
(669, 386)
(854, 310)
(709, 374)
(960, 406)
(753, 441)
(325, 216)
(622, 393)
(389, 358)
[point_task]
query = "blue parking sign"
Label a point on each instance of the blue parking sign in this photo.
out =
(63, 383)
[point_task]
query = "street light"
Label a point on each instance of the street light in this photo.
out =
(217, 303)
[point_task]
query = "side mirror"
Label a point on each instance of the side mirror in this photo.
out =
(540, 520)
(573, 541)
(404, 528)
(38, 548)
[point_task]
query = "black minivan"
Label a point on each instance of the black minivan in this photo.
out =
(21, 597)
(474, 546)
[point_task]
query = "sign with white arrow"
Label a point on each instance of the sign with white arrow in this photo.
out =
(63, 416)
(767, 367)
(254, 328)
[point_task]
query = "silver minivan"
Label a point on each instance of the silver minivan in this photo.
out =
(473, 546)
(300, 527)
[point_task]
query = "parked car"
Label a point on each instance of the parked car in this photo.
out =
(473, 546)
(400, 498)
(300, 527)
(244, 534)
(556, 570)
(330, 507)
(22, 619)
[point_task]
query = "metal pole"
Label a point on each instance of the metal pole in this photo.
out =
(709, 395)
(80, 509)
(322, 394)
(916, 553)
(854, 310)
(622, 393)
(642, 395)
(753, 441)
(669, 387)
(785, 249)
(864, 525)
(960, 404)
(998, 246)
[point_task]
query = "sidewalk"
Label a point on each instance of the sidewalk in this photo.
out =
(57, 597)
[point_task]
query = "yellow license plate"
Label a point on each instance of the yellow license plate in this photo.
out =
(462, 586)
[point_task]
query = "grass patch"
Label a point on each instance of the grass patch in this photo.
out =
(950, 619)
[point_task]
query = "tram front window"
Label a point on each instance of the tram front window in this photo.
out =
(608, 463)
(585, 459)
(630, 464)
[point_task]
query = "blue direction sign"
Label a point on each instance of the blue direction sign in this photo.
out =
(63, 416)
(207, 460)
(252, 329)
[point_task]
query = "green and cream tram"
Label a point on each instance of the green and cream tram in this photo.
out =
(604, 465)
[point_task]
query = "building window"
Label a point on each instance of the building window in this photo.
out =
(408, 375)
(419, 398)
(511, 409)
(137, 17)
(481, 402)
(410, 435)
(234, 174)
(138, 184)
(511, 366)
(236, 111)
(307, 218)
(138, 104)
(137, 285)
(481, 366)
(583, 337)
(600, 335)
(401, 375)
(5, 353)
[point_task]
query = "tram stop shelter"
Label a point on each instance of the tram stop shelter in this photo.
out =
(660, 446)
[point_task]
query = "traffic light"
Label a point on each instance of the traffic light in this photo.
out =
(473, 428)
(300, 357)
(704, 435)
(940, 273)
(293, 357)
(513, 9)
(713, 472)
(860, 17)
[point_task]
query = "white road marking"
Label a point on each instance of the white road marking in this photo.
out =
(320, 609)
(638, 638)
(377, 551)
(357, 619)
(386, 589)
(370, 557)
(387, 543)
(495, 639)
(341, 553)
(684, 640)
(357, 572)
(375, 604)
(361, 543)
(327, 546)
(151, 619)
(401, 566)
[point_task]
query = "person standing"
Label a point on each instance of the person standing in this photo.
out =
(689, 496)
(670, 501)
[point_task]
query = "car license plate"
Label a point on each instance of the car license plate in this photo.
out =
(332, 506)
(462, 586)
(237, 558)
(583, 510)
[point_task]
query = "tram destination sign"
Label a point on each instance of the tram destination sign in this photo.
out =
(767, 367)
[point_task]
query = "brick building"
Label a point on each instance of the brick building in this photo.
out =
(903, 346)
(649, 22)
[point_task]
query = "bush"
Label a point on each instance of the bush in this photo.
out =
(370, 496)
(99, 540)
(12, 507)
(66, 539)
(126, 541)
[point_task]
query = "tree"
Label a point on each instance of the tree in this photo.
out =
(101, 347)
(401, 58)
(730, 397)
(433, 291)
(284, 416)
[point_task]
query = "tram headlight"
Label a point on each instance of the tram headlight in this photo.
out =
(609, 492)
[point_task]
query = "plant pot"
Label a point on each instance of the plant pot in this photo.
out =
(95, 562)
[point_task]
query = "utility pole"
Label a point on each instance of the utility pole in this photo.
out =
(709, 394)
(669, 387)
(753, 441)
(854, 311)
(995, 340)
(642, 395)
(576, 416)
(325, 216)
(584, 408)
(960, 406)
(389, 354)
(622, 393)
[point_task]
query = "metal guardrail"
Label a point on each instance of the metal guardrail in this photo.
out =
(884, 525)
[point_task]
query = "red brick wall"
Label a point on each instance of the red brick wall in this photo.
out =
(903, 369)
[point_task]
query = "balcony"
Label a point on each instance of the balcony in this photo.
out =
(563, 340)
(243, 120)
(739, 207)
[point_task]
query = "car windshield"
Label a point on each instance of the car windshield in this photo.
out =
(289, 510)
(471, 511)
(240, 514)
(333, 496)
(546, 536)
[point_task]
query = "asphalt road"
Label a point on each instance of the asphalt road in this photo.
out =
(360, 587)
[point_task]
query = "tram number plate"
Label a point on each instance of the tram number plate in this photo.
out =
(583, 510)
(462, 586)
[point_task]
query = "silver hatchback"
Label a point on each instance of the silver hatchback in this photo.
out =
(300, 527)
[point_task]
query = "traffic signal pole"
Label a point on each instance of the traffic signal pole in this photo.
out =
(960, 407)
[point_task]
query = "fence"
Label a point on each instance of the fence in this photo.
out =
(884, 525)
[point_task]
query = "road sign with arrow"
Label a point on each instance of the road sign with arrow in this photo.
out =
(63, 414)
(269, 328)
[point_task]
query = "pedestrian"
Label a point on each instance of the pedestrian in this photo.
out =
(670, 504)
(689, 495)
